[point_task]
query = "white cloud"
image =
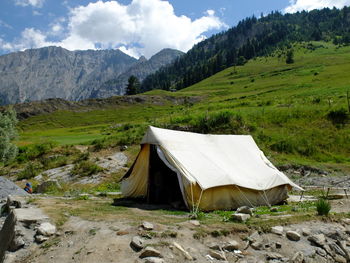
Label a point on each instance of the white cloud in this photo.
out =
(30, 38)
(299, 5)
(34, 3)
(143, 27)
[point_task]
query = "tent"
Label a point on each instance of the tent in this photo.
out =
(206, 172)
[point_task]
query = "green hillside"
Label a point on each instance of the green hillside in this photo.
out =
(297, 113)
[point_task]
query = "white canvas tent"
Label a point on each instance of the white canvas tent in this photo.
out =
(208, 172)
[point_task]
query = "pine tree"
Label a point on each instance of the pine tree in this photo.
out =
(133, 86)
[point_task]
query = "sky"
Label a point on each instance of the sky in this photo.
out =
(136, 27)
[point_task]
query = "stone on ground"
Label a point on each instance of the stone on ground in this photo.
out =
(278, 230)
(293, 235)
(47, 185)
(245, 210)
(30, 215)
(231, 245)
(147, 226)
(7, 188)
(240, 217)
(297, 257)
(273, 256)
(219, 255)
(7, 234)
(317, 240)
(137, 243)
(195, 222)
(150, 252)
(46, 229)
(40, 239)
(154, 260)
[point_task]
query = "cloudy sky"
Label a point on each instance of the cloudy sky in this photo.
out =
(137, 27)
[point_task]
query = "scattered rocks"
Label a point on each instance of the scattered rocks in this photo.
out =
(150, 252)
(147, 226)
(219, 255)
(278, 230)
(293, 235)
(46, 229)
(136, 243)
(245, 210)
(240, 217)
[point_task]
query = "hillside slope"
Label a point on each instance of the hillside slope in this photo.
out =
(285, 107)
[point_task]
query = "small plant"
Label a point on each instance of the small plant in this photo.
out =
(86, 168)
(323, 207)
(30, 171)
(338, 117)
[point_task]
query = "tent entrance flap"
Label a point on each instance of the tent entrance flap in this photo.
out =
(163, 184)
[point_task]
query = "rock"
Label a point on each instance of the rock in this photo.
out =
(16, 244)
(340, 259)
(240, 217)
(274, 209)
(273, 256)
(219, 255)
(154, 260)
(297, 258)
(231, 245)
(47, 186)
(245, 210)
(278, 230)
(183, 251)
(333, 246)
(40, 239)
(46, 229)
(29, 216)
(16, 201)
(306, 232)
(278, 245)
(150, 252)
(7, 188)
(195, 222)
(346, 221)
(122, 233)
(254, 237)
(147, 226)
(317, 240)
(321, 252)
(214, 246)
(7, 234)
(257, 245)
(293, 235)
(136, 243)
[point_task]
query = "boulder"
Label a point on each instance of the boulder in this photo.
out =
(29, 216)
(16, 201)
(46, 229)
(47, 186)
(136, 243)
(278, 230)
(254, 237)
(16, 244)
(306, 232)
(297, 257)
(214, 246)
(147, 226)
(240, 217)
(219, 255)
(7, 234)
(317, 240)
(257, 245)
(150, 252)
(231, 245)
(245, 210)
(293, 235)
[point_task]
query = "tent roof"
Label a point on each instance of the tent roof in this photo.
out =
(217, 160)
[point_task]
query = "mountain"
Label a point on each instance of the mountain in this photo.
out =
(141, 70)
(252, 37)
(54, 72)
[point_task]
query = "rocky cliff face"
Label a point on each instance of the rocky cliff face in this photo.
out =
(54, 72)
(141, 70)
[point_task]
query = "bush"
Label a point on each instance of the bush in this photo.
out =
(86, 168)
(339, 116)
(8, 150)
(30, 171)
(323, 207)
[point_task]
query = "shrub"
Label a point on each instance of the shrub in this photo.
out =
(323, 207)
(86, 168)
(30, 171)
(339, 116)
(8, 150)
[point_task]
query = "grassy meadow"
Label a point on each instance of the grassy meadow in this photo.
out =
(297, 113)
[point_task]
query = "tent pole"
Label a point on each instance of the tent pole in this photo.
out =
(192, 197)
(199, 201)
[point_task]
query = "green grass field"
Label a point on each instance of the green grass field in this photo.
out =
(285, 107)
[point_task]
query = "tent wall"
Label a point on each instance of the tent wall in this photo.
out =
(136, 183)
(231, 197)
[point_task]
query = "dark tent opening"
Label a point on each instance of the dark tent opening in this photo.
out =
(163, 184)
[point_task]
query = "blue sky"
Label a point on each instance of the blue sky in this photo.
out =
(137, 27)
